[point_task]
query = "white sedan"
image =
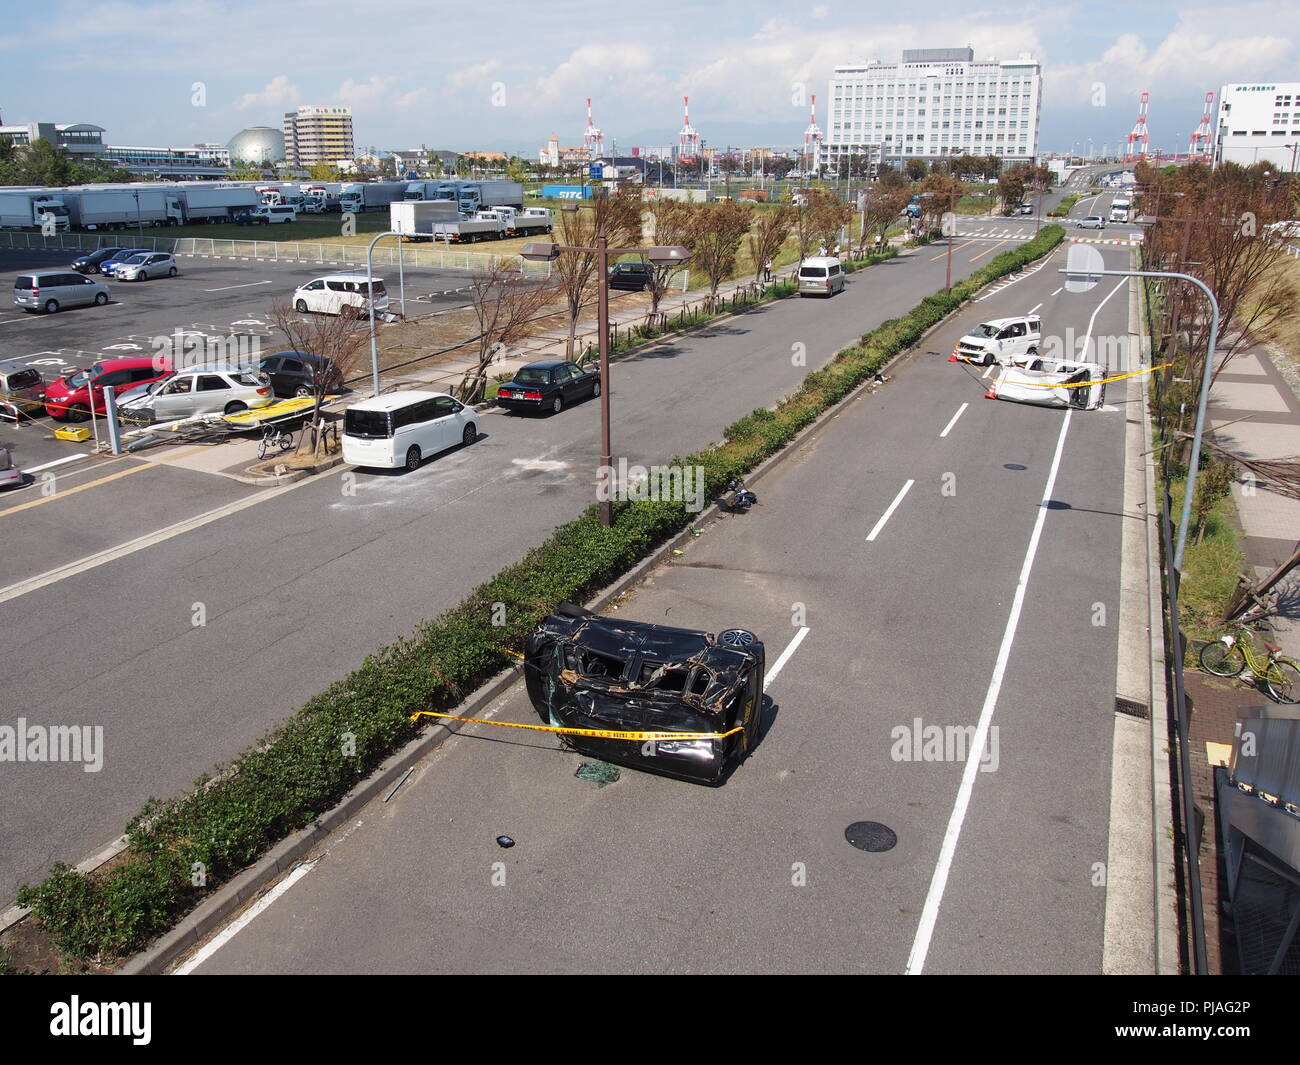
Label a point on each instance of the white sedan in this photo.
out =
(143, 267)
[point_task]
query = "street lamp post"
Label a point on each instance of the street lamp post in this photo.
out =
(370, 298)
(547, 251)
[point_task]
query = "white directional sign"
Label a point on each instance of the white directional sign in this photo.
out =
(1082, 266)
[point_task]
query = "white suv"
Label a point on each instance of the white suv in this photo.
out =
(1000, 340)
(340, 294)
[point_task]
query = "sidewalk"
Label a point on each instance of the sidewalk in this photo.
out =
(1252, 388)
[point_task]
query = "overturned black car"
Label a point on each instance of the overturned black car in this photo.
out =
(592, 672)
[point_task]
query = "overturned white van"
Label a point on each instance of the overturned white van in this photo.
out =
(1051, 383)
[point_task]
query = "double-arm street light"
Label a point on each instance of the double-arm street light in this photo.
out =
(547, 251)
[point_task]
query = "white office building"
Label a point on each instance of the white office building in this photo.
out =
(935, 102)
(1258, 124)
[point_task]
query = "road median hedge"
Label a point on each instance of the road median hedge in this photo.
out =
(181, 848)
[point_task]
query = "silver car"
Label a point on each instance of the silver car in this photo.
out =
(1093, 221)
(196, 391)
(143, 267)
(52, 290)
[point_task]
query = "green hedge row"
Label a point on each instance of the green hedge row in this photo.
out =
(1062, 209)
(307, 764)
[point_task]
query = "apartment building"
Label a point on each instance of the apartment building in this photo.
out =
(318, 135)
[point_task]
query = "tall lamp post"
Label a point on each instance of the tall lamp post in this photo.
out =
(547, 251)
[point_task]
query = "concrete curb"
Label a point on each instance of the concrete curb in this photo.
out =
(249, 883)
(272, 479)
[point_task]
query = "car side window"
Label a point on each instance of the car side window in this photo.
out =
(178, 387)
(442, 406)
(117, 377)
(142, 373)
(212, 383)
(291, 366)
(316, 286)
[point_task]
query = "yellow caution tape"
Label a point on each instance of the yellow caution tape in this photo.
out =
(604, 734)
(1087, 384)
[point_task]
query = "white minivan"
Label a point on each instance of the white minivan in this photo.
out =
(821, 276)
(404, 428)
(332, 293)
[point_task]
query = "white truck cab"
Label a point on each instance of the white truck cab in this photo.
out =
(1000, 340)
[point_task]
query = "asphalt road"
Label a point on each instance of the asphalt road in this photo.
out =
(298, 584)
(911, 622)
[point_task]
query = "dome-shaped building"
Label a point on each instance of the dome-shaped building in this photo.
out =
(259, 144)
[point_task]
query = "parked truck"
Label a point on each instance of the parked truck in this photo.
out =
(20, 208)
(522, 223)
(358, 196)
(484, 195)
(484, 225)
(212, 205)
(415, 219)
(122, 208)
(321, 196)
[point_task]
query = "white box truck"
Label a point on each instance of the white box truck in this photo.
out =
(1120, 208)
(484, 195)
(358, 196)
(22, 208)
(123, 208)
(416, 218)
(202, 204)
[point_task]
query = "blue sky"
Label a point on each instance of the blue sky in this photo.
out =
(504, 76)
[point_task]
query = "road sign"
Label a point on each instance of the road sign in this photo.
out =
(1081, 266)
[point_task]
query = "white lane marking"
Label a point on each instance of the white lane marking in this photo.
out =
(243, 920)
(227, 288)
(130, 547)
(1057, 291)
(930, 914)
(1087, 339)
(889, 513)
(779, 664)
(987, 370)
(56, 462)
(1033, 308)
(960, 411)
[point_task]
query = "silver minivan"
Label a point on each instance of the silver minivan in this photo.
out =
(21, 389)
(52, 290)
(821, 276)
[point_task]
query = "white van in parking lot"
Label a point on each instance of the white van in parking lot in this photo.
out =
(334, 292)
(403, 428)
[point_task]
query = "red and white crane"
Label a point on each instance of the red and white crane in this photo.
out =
(1202, 146)
(1138, 139)
(593, 140)
(812, 138)
(688, 141)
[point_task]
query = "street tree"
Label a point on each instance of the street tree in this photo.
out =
(667, 222)
(716, 232)
(818, 219)
(507, 307)
(574, 271)
(769, 235)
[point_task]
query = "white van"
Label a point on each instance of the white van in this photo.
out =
(403, 428)
(332, 293)
(269, 213)
(1000, 340)
(820, 276)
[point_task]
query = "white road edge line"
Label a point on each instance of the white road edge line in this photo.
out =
(227, 288)
(56, 462)
(243, 920)
(1033, 308)
(953, 421)
(889, 512)
(1057, 291)
(786, 655)
(930, 914)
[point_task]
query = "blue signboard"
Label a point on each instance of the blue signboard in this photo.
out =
(566, 192)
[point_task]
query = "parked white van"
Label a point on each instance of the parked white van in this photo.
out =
(332, 293)
(820, 276)
(404, 428)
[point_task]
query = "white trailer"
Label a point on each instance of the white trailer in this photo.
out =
(20, 208)
(484, 195)
(205, 204)
(123, 208)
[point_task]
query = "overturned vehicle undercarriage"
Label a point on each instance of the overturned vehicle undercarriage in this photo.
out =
(591, 672)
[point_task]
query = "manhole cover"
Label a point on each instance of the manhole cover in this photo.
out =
(1013, 466)
(871, 836)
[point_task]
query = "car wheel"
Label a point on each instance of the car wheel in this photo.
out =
(413, 457)
(78, 412)
(171, 272)
(300, 306)
(1031, 352)
(142, 276)
(557, 404)
(302, 391)
(51, 306)
(645, 287)
(736, 637)
(235, 408)
(595, 390)
(101, 298)
(988, 359)
(469, 435)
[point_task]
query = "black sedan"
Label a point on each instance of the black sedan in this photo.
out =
(89, 264)
(295, 373)
(548, 386)
(632, 277)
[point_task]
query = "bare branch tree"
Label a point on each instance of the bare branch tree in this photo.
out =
(670, 223)
(769, 236)
(507, 307)
(574, 271)
(716, 234)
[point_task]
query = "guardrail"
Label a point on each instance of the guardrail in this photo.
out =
(441, 257)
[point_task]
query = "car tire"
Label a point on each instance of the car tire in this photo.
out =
(1031, 353)
(557, 404)
(101, 298)
(595, 390)
(78, 412)
(51, 306)
(235, 408)
(988, 359)
(302, 392)
(413, 458)
(171, 272)
(469, 435)
(300, 306)
(645, 287)
(142, 276)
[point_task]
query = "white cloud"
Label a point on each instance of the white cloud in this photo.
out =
(279, 92)
(472, 75)
(821, 11)
(410, 99)
(366, 95)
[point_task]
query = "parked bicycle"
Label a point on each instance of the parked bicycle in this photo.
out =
(274, 436)
(1234, 652)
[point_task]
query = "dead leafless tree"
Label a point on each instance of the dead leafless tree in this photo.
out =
(507, 307)
(574, 271)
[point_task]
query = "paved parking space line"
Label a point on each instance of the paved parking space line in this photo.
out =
(890, 511)
(57, 462)
(248, 284)
(63, 493)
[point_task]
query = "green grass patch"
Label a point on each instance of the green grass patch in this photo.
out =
(1062, 209)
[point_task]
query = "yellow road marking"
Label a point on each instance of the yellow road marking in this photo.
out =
(984, 253)
(64, 493)
(957, 248)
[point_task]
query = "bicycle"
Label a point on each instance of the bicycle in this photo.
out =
(1231, 654)
(274, 436)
